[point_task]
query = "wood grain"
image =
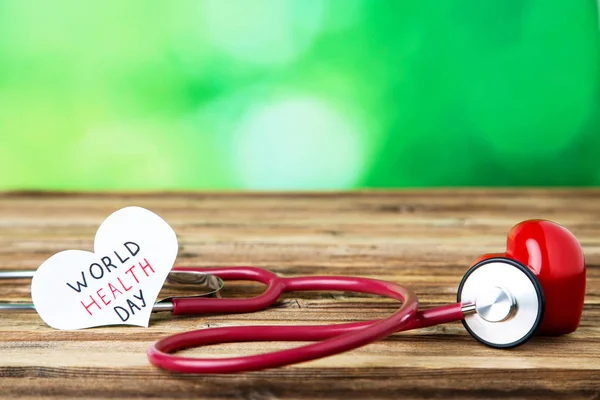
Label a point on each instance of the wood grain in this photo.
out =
(422, 239)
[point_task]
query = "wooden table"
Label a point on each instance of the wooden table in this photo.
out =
(423, 239)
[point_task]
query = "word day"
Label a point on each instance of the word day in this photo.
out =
(117, 279)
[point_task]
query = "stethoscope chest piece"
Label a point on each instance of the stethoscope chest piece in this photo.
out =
(505, 300)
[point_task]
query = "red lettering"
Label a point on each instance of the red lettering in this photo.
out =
(102, 296)
(87, 308)
(131, 270)
(146, 266)
(123, 286)
(113, 290)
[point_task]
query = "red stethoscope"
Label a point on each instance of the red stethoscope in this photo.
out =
(536, 286)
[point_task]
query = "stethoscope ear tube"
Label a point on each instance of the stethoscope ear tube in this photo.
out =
(331, 339)
(504, 287)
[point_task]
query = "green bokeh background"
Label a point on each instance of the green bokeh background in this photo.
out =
(298, 94)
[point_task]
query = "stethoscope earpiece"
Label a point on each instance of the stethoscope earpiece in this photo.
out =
(503, 302)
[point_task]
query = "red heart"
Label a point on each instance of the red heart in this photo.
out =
(556, 258)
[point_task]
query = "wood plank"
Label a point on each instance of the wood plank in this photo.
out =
(424, 239)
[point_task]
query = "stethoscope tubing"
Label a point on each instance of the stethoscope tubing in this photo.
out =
(330, 339)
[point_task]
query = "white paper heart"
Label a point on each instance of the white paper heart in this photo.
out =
(134, 250)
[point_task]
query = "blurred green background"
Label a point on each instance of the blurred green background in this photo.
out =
(298, 94)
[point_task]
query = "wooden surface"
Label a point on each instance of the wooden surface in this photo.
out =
(422, 239)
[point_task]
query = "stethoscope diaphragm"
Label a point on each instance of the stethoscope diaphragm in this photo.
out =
(507, 302)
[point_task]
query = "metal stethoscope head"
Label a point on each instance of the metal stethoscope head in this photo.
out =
(503, 302)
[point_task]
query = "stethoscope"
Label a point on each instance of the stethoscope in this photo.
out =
(500, 301)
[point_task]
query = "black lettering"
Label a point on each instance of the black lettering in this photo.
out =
(79, 284)
(132, 305)
(120, 259)
(123, 318)
(99, 268)
(132, 252)
(108, 263)
(141, 297)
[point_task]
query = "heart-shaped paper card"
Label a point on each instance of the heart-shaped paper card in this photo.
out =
(134, 250)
